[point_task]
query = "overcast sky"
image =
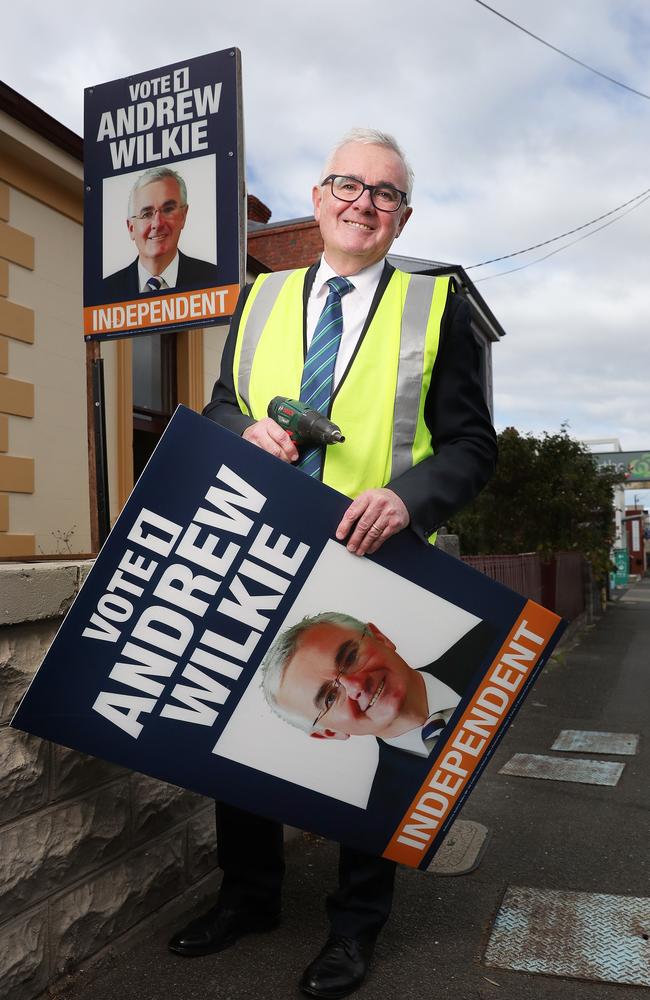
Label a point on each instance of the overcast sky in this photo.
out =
(511, 145)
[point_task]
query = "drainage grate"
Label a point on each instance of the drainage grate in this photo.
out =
(586, 772)
(462, 849)
(581, 741)
(576, 934)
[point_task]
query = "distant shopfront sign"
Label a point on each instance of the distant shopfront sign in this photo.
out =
(633, 466)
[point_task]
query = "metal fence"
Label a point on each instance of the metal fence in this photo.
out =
(522, 573)
(569, 579)
(558, 583)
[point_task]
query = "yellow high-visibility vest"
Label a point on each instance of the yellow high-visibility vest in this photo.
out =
(379, 402)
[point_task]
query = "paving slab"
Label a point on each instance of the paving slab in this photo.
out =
(586, 772)
(581, 741)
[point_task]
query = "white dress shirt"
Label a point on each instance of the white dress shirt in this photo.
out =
(169, 276)
(441, 704)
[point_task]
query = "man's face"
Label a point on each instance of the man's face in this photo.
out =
(157, 238)
(356, 234)
(374, 686)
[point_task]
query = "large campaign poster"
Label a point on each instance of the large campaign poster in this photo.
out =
(226, 642)
(164, 206)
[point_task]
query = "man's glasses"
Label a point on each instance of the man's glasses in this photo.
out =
(348, 665)
(167, 212)
(384, 197)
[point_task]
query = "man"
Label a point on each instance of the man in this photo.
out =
(334, 677)
(157, 214)
(405, 384)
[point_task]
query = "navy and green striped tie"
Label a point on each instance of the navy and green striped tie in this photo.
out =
(318, 374)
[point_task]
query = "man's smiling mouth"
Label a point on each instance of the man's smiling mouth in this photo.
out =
(357, 225)
(377, 694)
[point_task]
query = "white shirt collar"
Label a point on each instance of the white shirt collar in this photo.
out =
(364, 281)
(169, 275)
(441, 703)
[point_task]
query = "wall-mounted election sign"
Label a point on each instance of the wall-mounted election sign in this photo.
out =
(192, 653)
(164, 208)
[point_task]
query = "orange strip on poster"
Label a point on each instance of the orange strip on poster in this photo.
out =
(470, 740)
(151, 311)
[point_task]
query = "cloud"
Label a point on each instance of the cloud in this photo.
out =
(511, 144)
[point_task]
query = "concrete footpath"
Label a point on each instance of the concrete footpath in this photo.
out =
(544, 835)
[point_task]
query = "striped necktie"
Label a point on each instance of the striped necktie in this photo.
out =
(318, 374)
(154, 284)
(432, 729)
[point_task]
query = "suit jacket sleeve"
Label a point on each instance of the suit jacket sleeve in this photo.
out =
(457, 415)
(223, 407)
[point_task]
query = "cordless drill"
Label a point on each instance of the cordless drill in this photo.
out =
(302, 424)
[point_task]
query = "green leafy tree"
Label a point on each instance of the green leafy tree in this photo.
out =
(547, 495)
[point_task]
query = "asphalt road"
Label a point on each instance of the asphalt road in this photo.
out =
(543, 834)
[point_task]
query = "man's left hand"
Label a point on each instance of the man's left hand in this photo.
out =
(375, 515)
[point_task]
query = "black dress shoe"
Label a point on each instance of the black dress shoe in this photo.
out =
(339, 969)
(219, 928)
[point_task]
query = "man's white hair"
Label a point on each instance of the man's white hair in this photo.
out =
(157, 174)
(372, 137)
(278, 657)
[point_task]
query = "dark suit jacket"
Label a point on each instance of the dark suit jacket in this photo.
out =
(399, 772)
(455, 412)
(192, 273)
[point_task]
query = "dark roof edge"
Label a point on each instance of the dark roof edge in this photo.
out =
(29, 114)
(416, 265)
(268, 227)
(467, 282)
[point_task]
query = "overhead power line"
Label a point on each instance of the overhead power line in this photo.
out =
(569, 232)
(566, 246)
(561, 52)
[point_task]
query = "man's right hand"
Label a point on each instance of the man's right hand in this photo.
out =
(271, 437)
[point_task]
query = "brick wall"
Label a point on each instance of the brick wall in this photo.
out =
(297, 244)
(88, 849)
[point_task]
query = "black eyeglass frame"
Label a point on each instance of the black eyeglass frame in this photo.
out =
(147, 214)
(371, 188)
(335, 685)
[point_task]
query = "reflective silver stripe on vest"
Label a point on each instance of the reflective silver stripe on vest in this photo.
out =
(417, 307)
(257, 320)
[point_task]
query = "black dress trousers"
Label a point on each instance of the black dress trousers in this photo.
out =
(251, 855)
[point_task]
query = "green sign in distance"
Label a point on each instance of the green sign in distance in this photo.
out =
(621, 575)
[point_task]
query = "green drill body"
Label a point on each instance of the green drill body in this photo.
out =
(303, 425)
